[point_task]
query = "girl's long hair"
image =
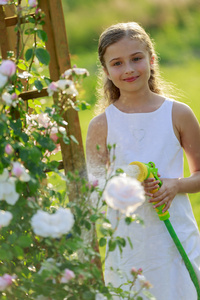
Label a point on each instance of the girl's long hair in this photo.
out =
(107, 92)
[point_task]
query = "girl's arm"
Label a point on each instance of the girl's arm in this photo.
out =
(96, 150)
(187, 130)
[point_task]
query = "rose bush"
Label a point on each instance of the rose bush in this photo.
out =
(41, 232)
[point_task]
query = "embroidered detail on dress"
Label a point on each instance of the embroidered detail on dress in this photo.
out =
(139, 134)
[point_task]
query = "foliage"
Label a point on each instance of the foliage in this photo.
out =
(41, 233)
(174, 24)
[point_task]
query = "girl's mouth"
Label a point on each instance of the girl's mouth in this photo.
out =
(130, 79)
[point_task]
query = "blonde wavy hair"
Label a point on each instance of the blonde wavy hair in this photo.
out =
(107, 92)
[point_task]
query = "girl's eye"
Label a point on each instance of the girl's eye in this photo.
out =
(136, 58)
(117, 63)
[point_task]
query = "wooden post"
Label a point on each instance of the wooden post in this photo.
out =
(57, 45)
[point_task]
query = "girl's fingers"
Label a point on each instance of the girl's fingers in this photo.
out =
(148, 194)
(150, 185)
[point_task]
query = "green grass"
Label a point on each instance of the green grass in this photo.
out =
(186, 78)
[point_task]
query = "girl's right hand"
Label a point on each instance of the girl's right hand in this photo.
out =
(149, 185)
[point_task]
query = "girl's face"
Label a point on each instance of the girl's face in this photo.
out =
(128, 65)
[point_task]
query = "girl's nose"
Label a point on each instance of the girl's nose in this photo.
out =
(129, 69)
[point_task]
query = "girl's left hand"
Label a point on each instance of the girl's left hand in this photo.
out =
(166, 193)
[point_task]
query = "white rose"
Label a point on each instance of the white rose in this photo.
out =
(123, 193)
(52, 225)
(3, 80)
(67, 86)
(100, 296)
(63, 84)
(81, 71)
(5, 218)
(77, 71)
(8, 190)
(141, 279)
(20, 172)
(7, 98)
(4, 176)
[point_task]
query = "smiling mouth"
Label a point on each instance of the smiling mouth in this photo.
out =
(130, 79)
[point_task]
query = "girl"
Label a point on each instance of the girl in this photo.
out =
(147, 126)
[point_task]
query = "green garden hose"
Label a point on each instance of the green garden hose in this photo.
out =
(149, 171)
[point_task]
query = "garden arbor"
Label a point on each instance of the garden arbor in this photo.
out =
(57, 46)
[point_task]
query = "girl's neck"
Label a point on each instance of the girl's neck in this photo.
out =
(139, 102)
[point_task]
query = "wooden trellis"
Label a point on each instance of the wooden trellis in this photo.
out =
(73, 154)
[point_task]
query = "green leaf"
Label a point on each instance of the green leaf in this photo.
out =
(149, 295)
(18, 252)
(66, 140)
(22, 65)
(29, 31)
(129, 220)
(12, 238)
(47, 80)
(121, 241)
(94, 218)
(130, 243)
(87, 295)
(31, 19)
(112, 245)
(3, 254)
(42, 55)
(29, 54)
(46, 143)
(24, 241)
(42, 35)
(24, 137)
(74, 139)
(38, 84)
(102, 242)
(87, 225)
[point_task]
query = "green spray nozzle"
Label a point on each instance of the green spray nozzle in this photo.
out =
(146, 171)
(152, 169)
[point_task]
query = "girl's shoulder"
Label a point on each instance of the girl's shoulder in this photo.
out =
(98, 125)
(185, 123)
(99, 120)
(181, 110)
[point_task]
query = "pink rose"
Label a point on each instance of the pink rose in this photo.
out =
(18, 169)
(33, 3)
(134, 271)
(53, 134)
(53, 87)
(14, 96)
(68, 275)
(5, 281)
(9, 149)
(20, 172)
(2, 2)
(8, 68)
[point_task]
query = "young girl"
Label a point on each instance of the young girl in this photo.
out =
(147, 126)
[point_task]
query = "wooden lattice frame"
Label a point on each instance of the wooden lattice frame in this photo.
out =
(57, 45)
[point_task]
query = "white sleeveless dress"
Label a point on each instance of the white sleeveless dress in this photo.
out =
(148, 137)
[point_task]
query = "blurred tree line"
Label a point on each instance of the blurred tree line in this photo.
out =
(174, 25)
